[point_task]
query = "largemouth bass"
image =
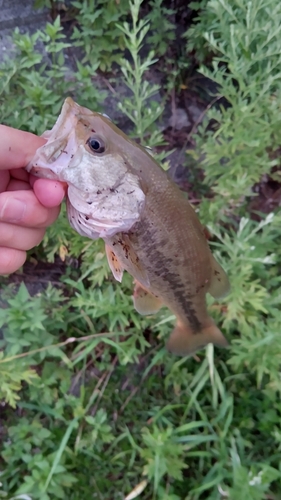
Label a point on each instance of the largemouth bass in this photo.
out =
(118, 192)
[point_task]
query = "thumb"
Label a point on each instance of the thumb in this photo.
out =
(17, 147)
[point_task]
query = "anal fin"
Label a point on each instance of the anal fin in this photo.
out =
(145, 302)
(219, 284)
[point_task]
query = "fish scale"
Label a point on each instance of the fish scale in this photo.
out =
(118, 192)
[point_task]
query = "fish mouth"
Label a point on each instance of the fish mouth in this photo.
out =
(61, 147)
(43, 172)
(55, 155)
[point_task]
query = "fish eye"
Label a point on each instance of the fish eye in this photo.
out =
(96, 144)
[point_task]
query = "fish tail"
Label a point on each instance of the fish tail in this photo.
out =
(184, 342)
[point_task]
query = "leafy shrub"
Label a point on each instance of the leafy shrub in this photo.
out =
(27, 80)
(245, 39)
(98, 33)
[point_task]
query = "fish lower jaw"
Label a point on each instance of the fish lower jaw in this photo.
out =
(43, 173)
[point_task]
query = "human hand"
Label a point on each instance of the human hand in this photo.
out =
(27, 205)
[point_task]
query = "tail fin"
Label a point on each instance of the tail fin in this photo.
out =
(184, 342)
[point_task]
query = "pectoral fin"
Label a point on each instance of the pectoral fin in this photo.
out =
(184, 342)
(114, 264)
(219, 285)
(145, 302)
(123, 248)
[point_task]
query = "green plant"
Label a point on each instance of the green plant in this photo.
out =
(163, 31)
(142, 110)
(244, 146)
(97, 32)
(28, 80)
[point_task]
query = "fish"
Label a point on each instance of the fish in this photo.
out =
(118, 192)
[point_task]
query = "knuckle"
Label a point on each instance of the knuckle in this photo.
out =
(7, 234)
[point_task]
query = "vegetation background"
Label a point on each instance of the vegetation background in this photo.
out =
(92, 405)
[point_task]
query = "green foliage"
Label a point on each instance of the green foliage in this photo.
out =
(163, 31)
(141, 110)
(98, 33)
(245, 39)
(92, 404)
(28, 80)
(162, 454)
(26, 440)
(39, 4)
(12, 375)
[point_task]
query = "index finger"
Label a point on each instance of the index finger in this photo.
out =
(17, 147)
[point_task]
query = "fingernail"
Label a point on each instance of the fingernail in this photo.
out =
(13, 210)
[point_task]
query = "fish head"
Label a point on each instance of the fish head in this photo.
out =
(86, 151)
